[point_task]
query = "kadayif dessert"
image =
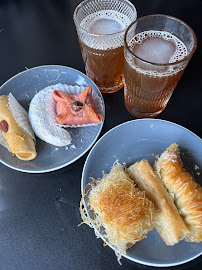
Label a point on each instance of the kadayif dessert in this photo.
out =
(122, 214)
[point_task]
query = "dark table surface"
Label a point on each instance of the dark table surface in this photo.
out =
(36, 231)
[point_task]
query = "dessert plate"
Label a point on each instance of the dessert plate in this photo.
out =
(24, 87)
(145, 139)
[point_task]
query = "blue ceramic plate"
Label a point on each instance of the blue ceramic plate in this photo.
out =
(144, 139)
(24, 86)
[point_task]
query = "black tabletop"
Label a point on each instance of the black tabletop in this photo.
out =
(37, 231)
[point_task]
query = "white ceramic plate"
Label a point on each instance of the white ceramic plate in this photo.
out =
(144, 139)
(24, 86)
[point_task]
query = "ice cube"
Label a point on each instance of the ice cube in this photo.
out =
(155, 50)
(104, 25)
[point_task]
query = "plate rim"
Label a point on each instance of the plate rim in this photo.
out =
(86, 150)
(82, 188)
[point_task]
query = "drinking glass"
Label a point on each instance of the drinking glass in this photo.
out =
(157, 48)
(101, 25)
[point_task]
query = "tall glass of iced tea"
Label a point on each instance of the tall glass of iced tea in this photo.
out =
(157, 48)
(100, 27)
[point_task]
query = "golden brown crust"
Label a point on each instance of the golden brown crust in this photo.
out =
(187, 193)
(169, 224)
(123, 210)
(20, 142)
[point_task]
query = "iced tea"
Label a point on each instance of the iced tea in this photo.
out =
(101, 26)
(154, 62)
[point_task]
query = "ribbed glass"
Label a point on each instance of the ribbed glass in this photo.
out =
(157, 49)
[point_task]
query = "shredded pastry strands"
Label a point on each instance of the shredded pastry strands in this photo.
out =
(117, 210)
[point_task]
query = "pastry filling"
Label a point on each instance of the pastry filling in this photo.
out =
(4, 126)
(74, 110)
(77, 106)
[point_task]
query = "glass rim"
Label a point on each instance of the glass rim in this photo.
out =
(101, 35)
(159, 64)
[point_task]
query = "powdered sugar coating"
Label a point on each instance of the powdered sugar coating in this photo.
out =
(41, 123)
(20, 115)
(42, 114)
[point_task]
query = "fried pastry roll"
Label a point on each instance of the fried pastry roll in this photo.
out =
(168, 222)
(182, 186)
(18, 139)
